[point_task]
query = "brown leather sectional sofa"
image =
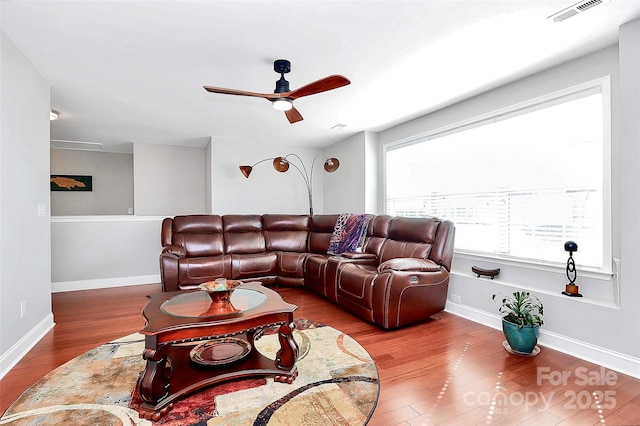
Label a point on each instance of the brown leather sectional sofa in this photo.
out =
(400, 277)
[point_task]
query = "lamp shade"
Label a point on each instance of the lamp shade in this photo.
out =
(246, 170)
(331, 165)
(280, 164)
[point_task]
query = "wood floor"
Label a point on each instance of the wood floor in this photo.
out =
(446, 371)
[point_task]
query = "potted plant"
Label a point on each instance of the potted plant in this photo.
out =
(521, 320)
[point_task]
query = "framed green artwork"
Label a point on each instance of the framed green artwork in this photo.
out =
(71, 183)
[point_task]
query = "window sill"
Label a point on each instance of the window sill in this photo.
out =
(598, 288)
(602, 275)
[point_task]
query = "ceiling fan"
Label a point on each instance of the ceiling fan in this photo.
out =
(282, 98)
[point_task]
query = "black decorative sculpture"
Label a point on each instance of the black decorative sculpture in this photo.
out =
(571, 289)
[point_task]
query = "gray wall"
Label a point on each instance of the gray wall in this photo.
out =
(104, 251)
(108, 251)
(169, 180)
(25, 249)
(266, 190)
(600, 328)
(346, 190)
(112, 175)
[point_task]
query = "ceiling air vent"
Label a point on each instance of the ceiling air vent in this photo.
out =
(574, 10)
(76, 145)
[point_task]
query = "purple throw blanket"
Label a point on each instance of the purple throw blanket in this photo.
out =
(349, 233)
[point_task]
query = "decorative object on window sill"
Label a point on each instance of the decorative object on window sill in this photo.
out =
(571, 289)
(281, 164)
(71, 183)
(486, 272)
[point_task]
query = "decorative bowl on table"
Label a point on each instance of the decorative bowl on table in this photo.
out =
(220, 290)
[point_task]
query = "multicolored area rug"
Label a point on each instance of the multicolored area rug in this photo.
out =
(337, 384)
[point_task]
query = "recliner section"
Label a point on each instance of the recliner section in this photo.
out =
(400, 277)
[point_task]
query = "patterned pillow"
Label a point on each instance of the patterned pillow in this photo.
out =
(349, 233)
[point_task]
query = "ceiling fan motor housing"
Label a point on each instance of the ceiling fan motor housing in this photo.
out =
(282, 66)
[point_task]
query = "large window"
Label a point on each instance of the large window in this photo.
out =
(517, 184)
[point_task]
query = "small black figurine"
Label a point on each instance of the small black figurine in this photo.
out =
(571, 289)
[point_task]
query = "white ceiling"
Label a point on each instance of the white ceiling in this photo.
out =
(133, 71)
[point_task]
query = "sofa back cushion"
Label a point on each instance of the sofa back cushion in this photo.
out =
(409, 237)
(321, 231)
(286, 232)
(243, 234)
(377, 234)
(199, 235)
(442, 250)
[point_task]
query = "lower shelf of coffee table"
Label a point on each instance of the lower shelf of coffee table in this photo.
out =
(182, 376)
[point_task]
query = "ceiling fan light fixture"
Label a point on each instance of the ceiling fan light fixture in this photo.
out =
(283, 104)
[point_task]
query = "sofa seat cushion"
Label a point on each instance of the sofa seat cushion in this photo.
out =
(314, 271)
(354, 281)
(196, 270)
(253, 265)
(355, 288)
(409, 264)
(291, 264)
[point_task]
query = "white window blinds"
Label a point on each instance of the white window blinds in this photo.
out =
(518, 184)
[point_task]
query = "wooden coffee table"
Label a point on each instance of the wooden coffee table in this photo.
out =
(190, 343)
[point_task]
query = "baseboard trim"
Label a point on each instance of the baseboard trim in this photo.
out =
(9, 359)
(60, 286)
(619, 362)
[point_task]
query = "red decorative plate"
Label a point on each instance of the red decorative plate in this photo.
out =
(220, 351)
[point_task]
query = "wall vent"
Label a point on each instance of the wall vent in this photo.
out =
(573, 10)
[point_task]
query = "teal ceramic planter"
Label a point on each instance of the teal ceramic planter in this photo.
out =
(522, 340)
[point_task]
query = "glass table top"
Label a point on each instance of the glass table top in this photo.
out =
(198, 304)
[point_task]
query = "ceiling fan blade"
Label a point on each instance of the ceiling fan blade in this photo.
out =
(221, 90)
(322, 85)
(293, 115)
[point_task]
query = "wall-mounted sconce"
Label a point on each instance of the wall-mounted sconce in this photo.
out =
(281, 164)
(53, 115)
(571, 289)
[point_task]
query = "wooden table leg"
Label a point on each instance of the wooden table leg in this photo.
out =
(154, 381)
(287, 355)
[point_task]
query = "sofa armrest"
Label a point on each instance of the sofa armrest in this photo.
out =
(169, 267)
(409, 264)
(175, 250)
(359, 256)
(402, 297)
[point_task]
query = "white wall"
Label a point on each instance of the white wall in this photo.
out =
(266, 190)
(112, 179)
(110, 251)
(25, 253)
(595, 327)
(168, 180)
(104, 251)
(628, 207)
(207, 176)
(345, 189)
(374, 202)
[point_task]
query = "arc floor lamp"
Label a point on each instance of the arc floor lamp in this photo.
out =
(281, 164)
